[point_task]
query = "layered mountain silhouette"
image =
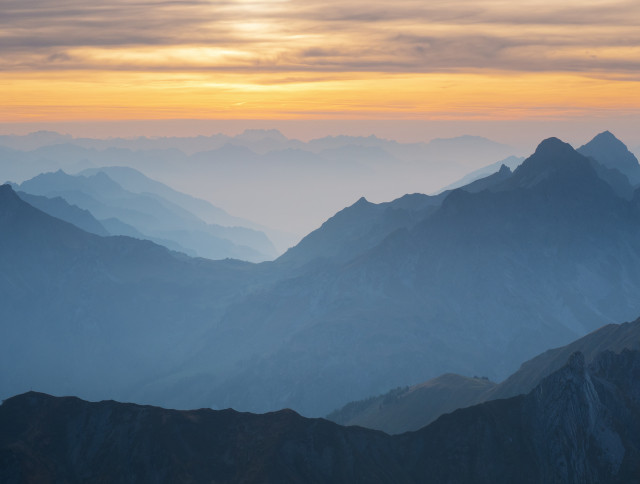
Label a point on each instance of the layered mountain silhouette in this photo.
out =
(364, 225)
(59, 208)
(95, 315)
(136, 182)
(481, 283)
(579, 425)
(286, 184)
(511, 162)
(473, 281)
(411, 408)
(149, 214)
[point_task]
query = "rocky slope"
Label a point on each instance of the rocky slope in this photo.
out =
(411, 408)
(579, 425)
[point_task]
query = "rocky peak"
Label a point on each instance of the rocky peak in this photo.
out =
(610, 152)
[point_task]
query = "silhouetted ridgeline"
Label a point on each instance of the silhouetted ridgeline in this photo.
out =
(153, 211)
(579, 425)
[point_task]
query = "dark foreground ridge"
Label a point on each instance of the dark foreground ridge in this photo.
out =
(581, 424)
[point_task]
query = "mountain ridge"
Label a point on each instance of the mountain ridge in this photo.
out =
(408, 409)
(473, 284)
(609, 151)
(579, 425)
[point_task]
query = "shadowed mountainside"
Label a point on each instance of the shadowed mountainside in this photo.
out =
(610, 152)
(94, 314)
(579, 425)
(404, 409)
(487, 279)
(473, 282)
(59, 208)
(159, 219)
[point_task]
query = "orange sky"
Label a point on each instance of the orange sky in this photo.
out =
(74, 60)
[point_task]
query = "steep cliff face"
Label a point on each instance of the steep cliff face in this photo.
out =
(580, 425)
(572, 430)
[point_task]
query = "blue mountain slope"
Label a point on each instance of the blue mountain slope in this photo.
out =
(486, 280)
(93, 315)
(153, 216)
(610, 152)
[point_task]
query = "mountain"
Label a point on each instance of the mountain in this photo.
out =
(612, 337)
(219, 221)
(511, 162)
(136, 182)
(363, 225)
(34, 140)
(358, 228)
(59, 208)
(152, 215)
(579, 425)
(481, 283)
(96, 315)
(610, 152)
(411, 408)
(261, 175)
(472, 282)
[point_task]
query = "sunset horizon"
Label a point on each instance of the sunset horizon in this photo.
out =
(463, 62)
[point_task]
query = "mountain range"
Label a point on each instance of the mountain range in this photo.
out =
(286, 184)
(93, 315)
(471, 281)
(411, 408)
(475, 285)
(578, 425)
(154, 211)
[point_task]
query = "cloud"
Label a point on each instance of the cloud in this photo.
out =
(313, 36)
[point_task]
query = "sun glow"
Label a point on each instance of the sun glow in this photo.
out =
(291, 59)
(127, 95)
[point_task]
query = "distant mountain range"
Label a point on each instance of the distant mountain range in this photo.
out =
(578, 425)
(260, 174)
(151, 210)
(471, 281)
(411, 408)
(260, 141)
(95, 315)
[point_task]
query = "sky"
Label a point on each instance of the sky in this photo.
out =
(371, 66)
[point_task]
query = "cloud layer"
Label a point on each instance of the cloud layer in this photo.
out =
(405, 36)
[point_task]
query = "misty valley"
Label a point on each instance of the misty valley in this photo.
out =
(260, 309)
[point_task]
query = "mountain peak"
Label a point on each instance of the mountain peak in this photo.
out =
(610, 152)
(605, 135)
(551, 156)
(553, 146)
(261, 135)
(7, 193)
(556, 163)
(605, 140)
